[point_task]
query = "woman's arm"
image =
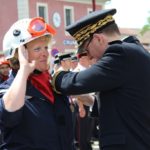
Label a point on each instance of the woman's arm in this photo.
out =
(14, 98)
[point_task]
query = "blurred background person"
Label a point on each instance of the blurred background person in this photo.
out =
(55, 65)
(65, 61)
(84, 123)
(4, 69)
(74, 61)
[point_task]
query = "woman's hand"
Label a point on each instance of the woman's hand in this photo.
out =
(14, 98)
(25, 65)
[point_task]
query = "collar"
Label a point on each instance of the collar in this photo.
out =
(115, 42)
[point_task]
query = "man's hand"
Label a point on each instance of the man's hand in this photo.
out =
(86, 99)
(82, 111)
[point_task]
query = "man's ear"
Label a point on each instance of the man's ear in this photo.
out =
(99, 37)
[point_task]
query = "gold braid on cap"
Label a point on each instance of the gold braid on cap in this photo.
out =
(85, 32)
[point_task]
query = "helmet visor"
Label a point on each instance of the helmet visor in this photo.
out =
(38, 27)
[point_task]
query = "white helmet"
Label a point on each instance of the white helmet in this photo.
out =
(24, 31)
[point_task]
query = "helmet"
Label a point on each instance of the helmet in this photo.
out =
(24, 31)
(3, 61)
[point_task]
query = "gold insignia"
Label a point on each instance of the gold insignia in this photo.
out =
(86, 31)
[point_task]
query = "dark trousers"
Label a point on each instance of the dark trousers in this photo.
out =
(114, 147)
(75, 126)
(85, 131)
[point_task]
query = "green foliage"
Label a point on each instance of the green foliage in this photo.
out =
(146, 27)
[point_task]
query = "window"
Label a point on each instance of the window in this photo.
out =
(23, 9)
(69, 15)
(42, 10)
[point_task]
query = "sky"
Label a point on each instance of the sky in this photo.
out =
(130, 13)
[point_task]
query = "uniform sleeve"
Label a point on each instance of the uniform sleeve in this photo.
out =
(108, 73)
(9, 119)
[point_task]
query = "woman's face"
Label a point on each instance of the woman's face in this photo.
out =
(38, 50)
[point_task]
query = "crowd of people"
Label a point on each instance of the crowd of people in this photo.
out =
(100, 92)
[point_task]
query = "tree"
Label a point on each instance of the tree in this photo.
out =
(146, 27)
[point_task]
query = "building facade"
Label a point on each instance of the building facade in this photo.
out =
(58, 13)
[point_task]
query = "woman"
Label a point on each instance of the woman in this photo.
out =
(32, 116)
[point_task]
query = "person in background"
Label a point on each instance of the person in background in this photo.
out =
(74, 61)
(65, 61)
(120, 77)
(84, 121)
(56, 64)
(84, 63)
(32, 116)
(4, 75)
(4, 69)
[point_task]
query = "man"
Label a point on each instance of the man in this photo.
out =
(56, 64)
(84, 121)
(74, 61)
(65, 61)
(121, 75)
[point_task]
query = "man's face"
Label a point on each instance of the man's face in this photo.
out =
(85, 61)
(95, 46)
(66, 64)
(74, 64)
(4, 69)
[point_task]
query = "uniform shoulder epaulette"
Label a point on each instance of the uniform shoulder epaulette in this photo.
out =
(54, 80)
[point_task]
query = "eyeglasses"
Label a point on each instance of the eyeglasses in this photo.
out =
(85, 49)
(38, 27)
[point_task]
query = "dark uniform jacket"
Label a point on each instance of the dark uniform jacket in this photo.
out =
(122, 76)
(38, 125)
